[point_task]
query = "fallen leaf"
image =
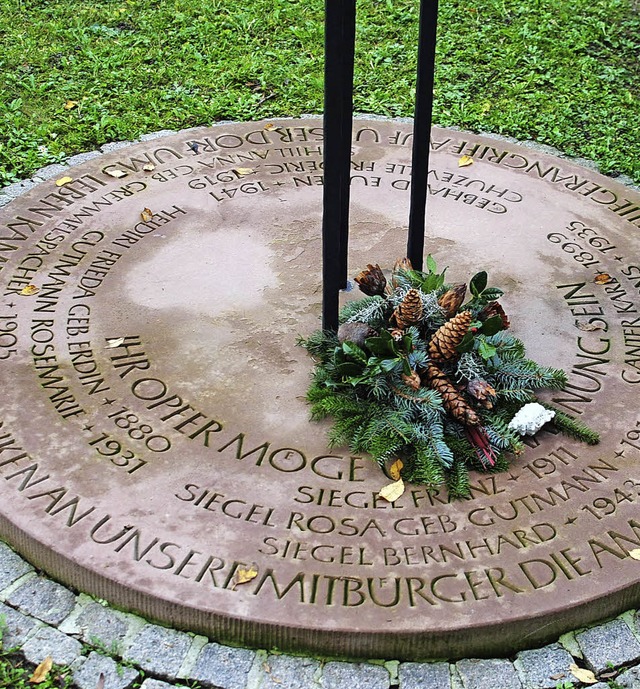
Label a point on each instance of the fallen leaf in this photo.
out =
(395, 469)
(29, 290)
(146, 215)
(558, 675)
(393, 491)
(602, 278)
(148, 167)
(114, 343)
(581, 674)
(243, 576)
(635, 553)
(100, 684)
(244, 170)
(465, 161)
(70, 104)
(63, 180)
(116, 173)
(266, 667)
(269, 126)
(42, 671)
(588, 327)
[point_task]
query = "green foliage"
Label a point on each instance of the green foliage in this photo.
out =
(380, 402)
(15, 673)
(572, 427)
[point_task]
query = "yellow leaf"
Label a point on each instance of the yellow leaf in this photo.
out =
(602, 278)
(393, 491)
(244, 575)
(146, 215)
(29, 290)
(63, 180)
(244, 170)
(581, 674)
(70, 104)
(40, 673)
(635, 553)
(148, 167)
(465, 161)
(395, 469)
(269, 126)
(116, 173)
(114, 343)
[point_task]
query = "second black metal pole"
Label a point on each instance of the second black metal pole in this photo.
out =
(422, 130)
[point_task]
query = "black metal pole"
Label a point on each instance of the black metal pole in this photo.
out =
(422, 130)
(338, 97)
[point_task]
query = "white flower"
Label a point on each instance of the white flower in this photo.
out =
(530, 419)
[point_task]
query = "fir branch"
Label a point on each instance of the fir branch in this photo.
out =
(457, 479)
(369, 310)
(571, 426)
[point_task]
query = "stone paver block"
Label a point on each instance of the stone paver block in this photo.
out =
(157, 135)
(15, 627)
(290, 672)
(103, 626)
(115, 146)
(4, 200)
(51, 171)
(12, 566)
(539, 666)
(115, 676)
(44, 599)
(83, 157)
(158, 684)
(159, 650)
(223, 666)
(488, 674)
(338, 675)
(424, 676)
(18, 188)
(609, 645)
(48, 641)
(629, 679)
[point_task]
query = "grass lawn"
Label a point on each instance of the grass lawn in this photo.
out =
(559, 72)
(562, 73)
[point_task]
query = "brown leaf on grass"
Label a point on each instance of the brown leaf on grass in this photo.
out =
(63, 180)
(116, 173)
(465, 161)
(588, 327)
(70, 104)
(41, 673)
(581, 674)
(393, 491)
(603, 279)
(395, 469)
(29, 290)
(148, 167)
(244, 575)
(146, 215)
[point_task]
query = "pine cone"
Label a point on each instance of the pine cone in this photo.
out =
(448, 336)
(493, 308)
(413, 381)
(355, 332)
(371, 281)
(409, 310)
(452, 400)
(402, 264)
(452, 299)
(482, 391)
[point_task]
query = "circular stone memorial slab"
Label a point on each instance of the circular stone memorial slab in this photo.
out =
(154, 436)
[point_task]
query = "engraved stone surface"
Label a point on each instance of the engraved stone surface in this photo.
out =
(154, 437)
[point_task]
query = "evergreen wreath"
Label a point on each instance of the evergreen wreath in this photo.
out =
(416, 374)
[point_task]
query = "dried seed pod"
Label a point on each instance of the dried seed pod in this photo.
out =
(483, 392)
(452, 299)
(493, 308)
(371, 280)
(448, 336)
(412, 381)
(402, 264)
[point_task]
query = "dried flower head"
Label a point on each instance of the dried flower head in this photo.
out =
(371, 280)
